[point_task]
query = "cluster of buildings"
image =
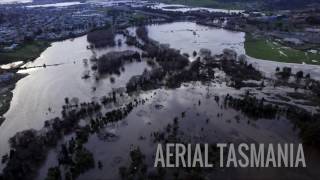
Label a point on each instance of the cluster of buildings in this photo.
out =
(298, 28)
(293, 26)
(19, 23)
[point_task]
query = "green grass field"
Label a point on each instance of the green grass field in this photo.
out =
(26, 52)
(269, 50)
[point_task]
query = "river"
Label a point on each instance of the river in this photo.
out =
(46, 88)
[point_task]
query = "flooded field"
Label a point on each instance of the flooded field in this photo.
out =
(189, 37)
(46, 88)
(41, 95)
(55, 5)
(14, 1)
(183, 8)
(209, 122)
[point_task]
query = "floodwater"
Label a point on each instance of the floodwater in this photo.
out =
(47, 87)
(63, 4)
(183, 8)
(115, 3)
(189, 36)
(160, 110)
(14, 1)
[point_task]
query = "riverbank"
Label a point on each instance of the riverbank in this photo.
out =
(6, 94)
(27, 52)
